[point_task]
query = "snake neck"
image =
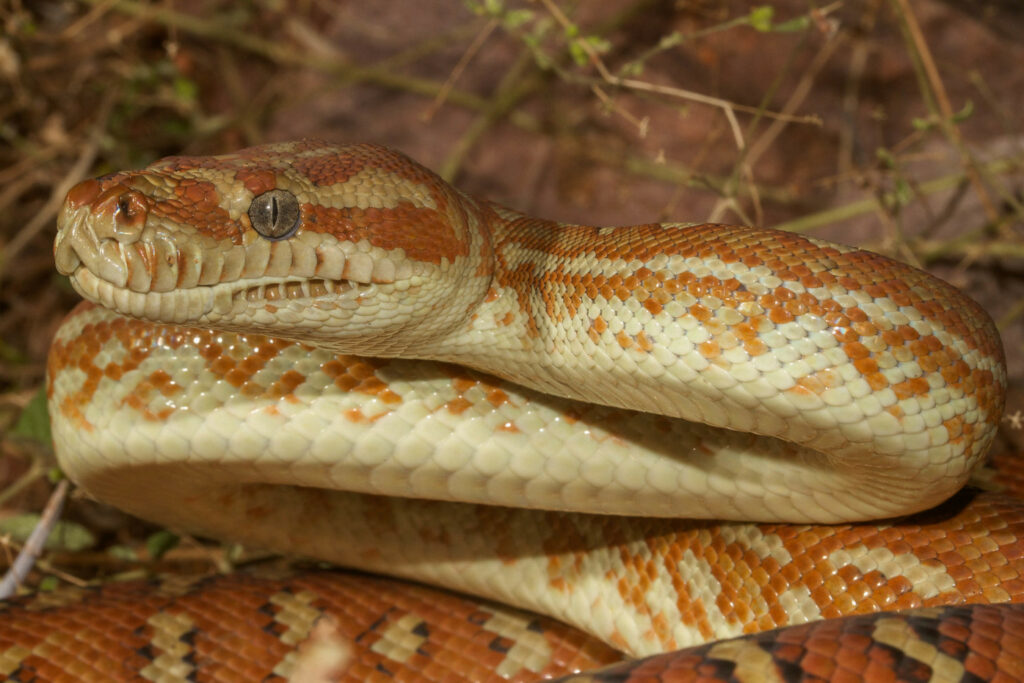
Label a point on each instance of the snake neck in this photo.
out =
(747, 329)
(532, 326)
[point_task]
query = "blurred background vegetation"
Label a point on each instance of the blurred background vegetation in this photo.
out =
(890, 124)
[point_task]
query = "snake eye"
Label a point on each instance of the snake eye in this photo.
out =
(275, 214)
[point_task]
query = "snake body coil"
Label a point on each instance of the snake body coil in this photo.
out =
(672, 371)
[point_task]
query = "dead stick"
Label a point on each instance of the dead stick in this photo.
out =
(33, 547)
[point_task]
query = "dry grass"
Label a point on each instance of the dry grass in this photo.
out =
(890, 124)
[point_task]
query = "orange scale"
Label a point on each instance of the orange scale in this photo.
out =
(892, 338)
(827, 278)
(901, 299)
(1005, 572)
(986, 631)
(251, 389)
(809, 300)
(919, 348)
(361, 370)
(796, 308)
(686, 278)
(875, 291)
(988, 581)
(845, 602)
(850, 283)
(236, 377)
(882, 662)
(700, 312)
(783, 294)
(856, 315)
(709, 349)
(950, 375)
(988, 646)
(800, 270)
(780, 316)
(829, 610)
(917, 386)
(251, 364)
(710, 282)
(823, 648)
(777, 616)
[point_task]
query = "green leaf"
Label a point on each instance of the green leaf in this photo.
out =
(123, 553)
(760, 18)
(533, 42)
(964, 113)
(34, 421)
(902, 193)
(886, 157)
(793, 25)
(49, 584)
(68, 536)
(185, 90)
(516, 18)
(921, 124)
(632, 69)
(670, 40)
(159, 543)
(598, 44)
(579, 55)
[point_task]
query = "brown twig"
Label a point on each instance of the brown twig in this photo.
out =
(946, 115)
(82, 164)
(33, 547)
(456, 72)
(727, 107)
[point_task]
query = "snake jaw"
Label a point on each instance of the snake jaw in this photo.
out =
(179, 306)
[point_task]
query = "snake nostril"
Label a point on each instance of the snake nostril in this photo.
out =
(131, 208)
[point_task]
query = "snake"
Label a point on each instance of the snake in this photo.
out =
(667, 435)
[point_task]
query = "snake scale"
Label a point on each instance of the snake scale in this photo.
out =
(668, 435)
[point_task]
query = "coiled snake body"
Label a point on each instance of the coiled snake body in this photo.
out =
(646, 374)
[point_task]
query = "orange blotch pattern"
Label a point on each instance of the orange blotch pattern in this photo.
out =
(424, 234)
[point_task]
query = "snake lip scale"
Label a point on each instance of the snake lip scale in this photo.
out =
(188, 305)
(644, 370)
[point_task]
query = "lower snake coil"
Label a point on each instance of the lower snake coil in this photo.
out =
(327, 350)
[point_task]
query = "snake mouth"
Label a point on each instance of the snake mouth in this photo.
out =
(289, 290)
(270, 293)
(220, 301)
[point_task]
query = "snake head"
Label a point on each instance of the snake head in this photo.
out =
(357, 248)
